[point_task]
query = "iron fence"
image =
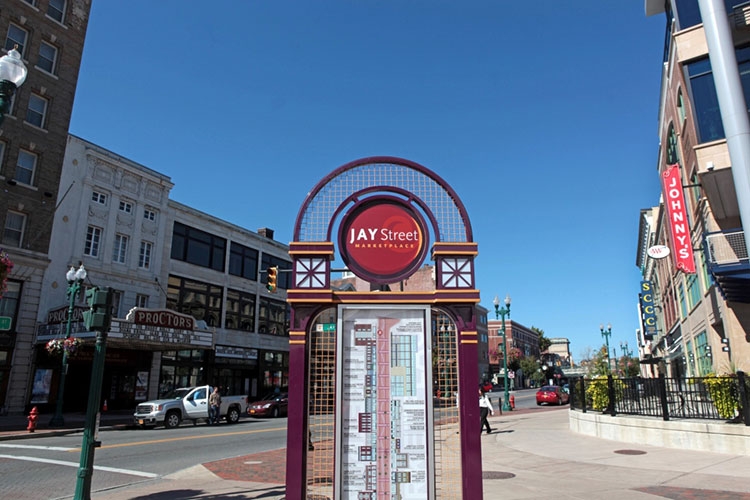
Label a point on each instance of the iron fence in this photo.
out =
(704, 398)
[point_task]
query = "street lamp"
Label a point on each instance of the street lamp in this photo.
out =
(75, 280)
(625, 351)
(12, 75)
(606, 334)
(502, 313)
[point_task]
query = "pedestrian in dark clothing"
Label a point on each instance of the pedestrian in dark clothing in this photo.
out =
(485, 407)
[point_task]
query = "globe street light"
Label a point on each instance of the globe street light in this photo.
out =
(625, 351)
(502, 313)
(606, 334)
(12, 75)
(75, 279)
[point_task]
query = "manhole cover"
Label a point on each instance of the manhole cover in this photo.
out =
(630, 452)
(492, 474)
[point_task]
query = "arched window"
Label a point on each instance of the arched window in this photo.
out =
(673, 150)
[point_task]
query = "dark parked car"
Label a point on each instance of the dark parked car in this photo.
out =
(272, 405)
(551, 394)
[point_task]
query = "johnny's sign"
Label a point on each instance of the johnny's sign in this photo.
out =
(674, 200)
(383, 240)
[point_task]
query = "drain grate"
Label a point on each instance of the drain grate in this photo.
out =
(630, 452)
(493, 474)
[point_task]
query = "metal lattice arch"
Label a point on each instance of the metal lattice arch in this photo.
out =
(360, 178)
(315, 304)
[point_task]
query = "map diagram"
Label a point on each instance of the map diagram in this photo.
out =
(384, 431)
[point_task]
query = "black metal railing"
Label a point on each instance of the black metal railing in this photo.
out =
(704, 398)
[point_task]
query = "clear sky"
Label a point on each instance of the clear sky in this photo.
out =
(542, 116)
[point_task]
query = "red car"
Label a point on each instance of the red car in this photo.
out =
(272, 405)
(551, 394)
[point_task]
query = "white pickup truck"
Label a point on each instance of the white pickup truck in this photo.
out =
(187, 403)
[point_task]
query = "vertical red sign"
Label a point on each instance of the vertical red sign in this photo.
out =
(682, 245)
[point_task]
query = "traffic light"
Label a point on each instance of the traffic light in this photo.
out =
(100, 302)
(271, 281)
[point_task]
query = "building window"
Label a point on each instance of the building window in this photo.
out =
(37, 111)
(47, 57)
(240, 314)
(9, 302)
(680, 107)
(99, 198)
(141, 300)
(15, 225)
(149, 214)
(56, 10)
(705, 100)
(144, 256)
(682, 300)
(116, 303)
(93, 240)
(126, 207)
(25, 167)
(694, 289)
(673, 149)
(120, 249)
(16, 36)
(273, 317)
(704, 354)
(283, 280)
(200, 300)
(198, 247)
(243, 261)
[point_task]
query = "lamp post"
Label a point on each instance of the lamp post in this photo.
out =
(12, 75)
(501, 313)
(625, 351)
(75, 279)
(606, 334)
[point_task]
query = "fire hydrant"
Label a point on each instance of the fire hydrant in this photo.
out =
(33, 416)
(512, 401)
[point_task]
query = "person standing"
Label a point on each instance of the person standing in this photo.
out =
(485, 407)
(214, 407)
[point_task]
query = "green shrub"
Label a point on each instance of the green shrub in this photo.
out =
(724, 394)
(597, 392)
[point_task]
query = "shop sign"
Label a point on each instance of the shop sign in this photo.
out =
(60, 315)
(164, 318)
(678, 219)
(648, 315)
(383, 240)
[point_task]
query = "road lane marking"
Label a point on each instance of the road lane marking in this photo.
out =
(73, 464)
(35, 447)
(182, 438)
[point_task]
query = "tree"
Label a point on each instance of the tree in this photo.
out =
(544, 342)
(530, 368)
(598, 366)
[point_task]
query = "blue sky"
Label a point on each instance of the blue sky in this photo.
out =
(542, 117)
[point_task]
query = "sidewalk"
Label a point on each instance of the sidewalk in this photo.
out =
(530, 455)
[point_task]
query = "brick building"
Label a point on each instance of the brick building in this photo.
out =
(50, 36)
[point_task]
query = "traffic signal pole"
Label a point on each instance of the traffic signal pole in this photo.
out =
(98, 319)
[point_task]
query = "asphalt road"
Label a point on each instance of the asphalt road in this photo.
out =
(46, 467)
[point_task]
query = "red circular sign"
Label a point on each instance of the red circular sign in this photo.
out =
(383, 241)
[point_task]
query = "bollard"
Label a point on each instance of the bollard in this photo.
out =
(32, 418)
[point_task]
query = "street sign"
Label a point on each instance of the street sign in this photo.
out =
(329, 327)
(511, 374)
(5, 322)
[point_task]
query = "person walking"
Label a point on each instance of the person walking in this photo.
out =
(485, 407)
(214, 407)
